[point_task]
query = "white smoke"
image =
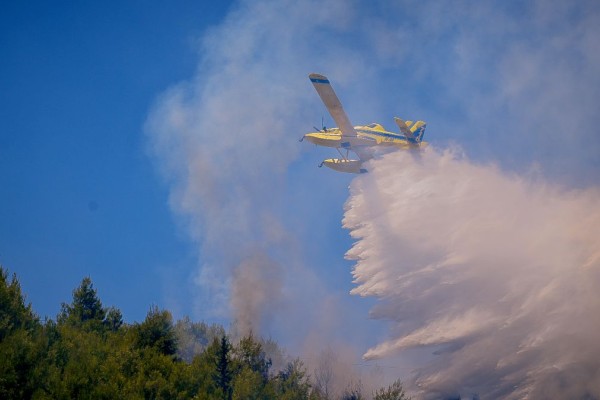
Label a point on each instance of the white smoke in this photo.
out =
(223, 142)
(513, 83)
(497, 274)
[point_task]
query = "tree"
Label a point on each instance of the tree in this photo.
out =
(86, 306)
(324, 374)
(249, 385)
(353, 391)
(223, 374)
(157, 331)
(194, 337)
(114, 319)
(91, 353)
(14, 313)
(292, 382)
(393, 392)
(251, 371)
(249, 354)
(19, 341)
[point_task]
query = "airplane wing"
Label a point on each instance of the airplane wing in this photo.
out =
(404, 128)
(333, 104)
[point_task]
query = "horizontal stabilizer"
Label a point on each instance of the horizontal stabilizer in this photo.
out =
(404, 128)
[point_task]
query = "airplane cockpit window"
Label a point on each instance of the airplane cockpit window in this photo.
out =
(372, 125)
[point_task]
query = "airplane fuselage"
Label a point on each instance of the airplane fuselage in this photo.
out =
(366, 136)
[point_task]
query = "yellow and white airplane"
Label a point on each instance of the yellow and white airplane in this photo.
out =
(361, 140)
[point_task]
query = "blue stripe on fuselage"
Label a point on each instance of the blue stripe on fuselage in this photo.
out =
(389, 135)
(315, 80)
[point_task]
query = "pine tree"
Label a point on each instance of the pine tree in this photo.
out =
(85, 307)
(224, 374)
(19, 345)
(14, 313)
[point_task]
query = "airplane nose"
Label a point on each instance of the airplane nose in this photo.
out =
(323, 139)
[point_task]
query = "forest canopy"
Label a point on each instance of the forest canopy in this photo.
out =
(89, 352)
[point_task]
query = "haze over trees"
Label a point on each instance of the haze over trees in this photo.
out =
(89, 352)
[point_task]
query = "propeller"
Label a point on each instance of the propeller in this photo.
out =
(323, 129)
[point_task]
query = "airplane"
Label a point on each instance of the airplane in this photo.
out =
(362, 139)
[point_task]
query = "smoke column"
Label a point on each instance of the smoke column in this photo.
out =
(223, 141)
(497, 275)
(494, 273)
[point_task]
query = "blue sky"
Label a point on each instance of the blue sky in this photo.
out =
(80, 195)
(83, 196)
(154, 147)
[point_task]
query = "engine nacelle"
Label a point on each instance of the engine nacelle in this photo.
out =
(341, 165)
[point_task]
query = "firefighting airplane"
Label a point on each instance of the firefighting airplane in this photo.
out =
(361, 140)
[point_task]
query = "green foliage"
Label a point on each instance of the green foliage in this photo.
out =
(114, 319)
(19, 340)
(223, 373)
(157, 332)
(393, 392)
(194, 337)
(90, 353)
(251, 370)
(292, 383)
(249, 354)
(249, 385)
(86, 306)
(14, 313)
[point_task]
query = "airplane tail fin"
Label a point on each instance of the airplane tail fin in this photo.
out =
(418, 130)
(413, 131)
